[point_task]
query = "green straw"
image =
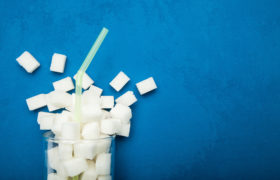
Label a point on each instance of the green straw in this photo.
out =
(81, 72)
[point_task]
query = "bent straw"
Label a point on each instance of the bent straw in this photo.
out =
(82, 70)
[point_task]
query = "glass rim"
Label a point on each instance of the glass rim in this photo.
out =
(50, 136)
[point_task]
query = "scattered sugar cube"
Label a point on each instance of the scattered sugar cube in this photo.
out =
(70, 130)
(124, 130)
(121, 112)
(107, 102)
(107, 177)
(65, 151)
(46, 120)
(36, 102)
(95, 90)
(65, 84)
(89, 174)
(61, 172)
(119, 81)
(91, 130)
(85, 149)
(59, 99)
(28, 62)
(75, 166)
(45, 115)
(58, 63)
(127, 98)
(110, 126)
(103, 164)
(146, 85)
(87, 81)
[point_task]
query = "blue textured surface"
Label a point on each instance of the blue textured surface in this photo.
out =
(215, 114)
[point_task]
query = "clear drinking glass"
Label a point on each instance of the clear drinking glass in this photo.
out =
(79, 159)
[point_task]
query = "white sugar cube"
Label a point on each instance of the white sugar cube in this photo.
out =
(59, 99)
(61, 172)
(53, 157)
(70, 130)
(75, 166)
(89, 98)
(107, 102)
(43, 116)
(110, 126)
(103, 145)
(119, 81)
(103, 164)
(121, 112)
(46, 120)
(65, 151)
(95, 90)
(58, 63)
(86, 82)
(85, 149)
(89, 174)
(52, 176)
(91, 113)
(36, 102)
(106, 114)
(124, 130)
(146, 85)
(107, 177)
(91, 130)
(127, 98)
(60, 119)
(28, 62)
(65, 84)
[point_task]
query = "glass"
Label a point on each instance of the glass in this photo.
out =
(78, 159)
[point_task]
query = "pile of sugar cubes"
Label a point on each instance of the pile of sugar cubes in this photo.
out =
(102, 117)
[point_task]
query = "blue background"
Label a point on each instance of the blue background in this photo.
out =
(215, 114)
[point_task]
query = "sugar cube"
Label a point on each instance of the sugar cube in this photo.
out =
(70, 130)
(146, 85)
(121, 112)
(106, 114)
(107, 177)
(119, 81)
(58, 63)
(86, 82)
(53, 157)
(36, 102)
(103, 164)
(46, 120)
(65, 84)
(75, 166)
(124, 130)
(107, 102)
(28, 62)
(127, 98)
(91, 113)
(59, 99)
(110, 126)
(91, 130)
(89, 174)
(95, 90)
(65, 150)
(60, 119)
(85, 149)
(103, 145)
